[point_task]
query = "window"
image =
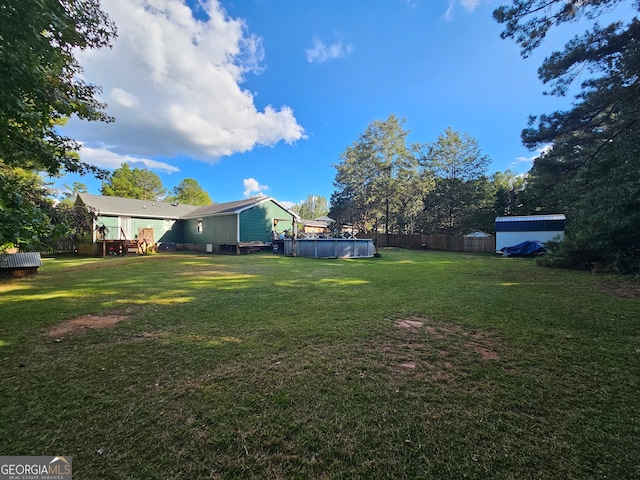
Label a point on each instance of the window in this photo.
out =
(199, 230)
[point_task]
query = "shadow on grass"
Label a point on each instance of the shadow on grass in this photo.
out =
(415, 365)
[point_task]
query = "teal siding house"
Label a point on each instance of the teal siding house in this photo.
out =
(124, 225)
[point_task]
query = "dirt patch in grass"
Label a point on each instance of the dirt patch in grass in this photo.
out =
(86, 322)
(439, 352)
(485, 354)
(623, 289)
(409, 323)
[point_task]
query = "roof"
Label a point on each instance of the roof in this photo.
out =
(230, 208)
(21, 260)
(531, 223)
(146, 209)
(529, 218)
(134, 208)
(314, 223)
(227, 207)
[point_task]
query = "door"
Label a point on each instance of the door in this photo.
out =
(145, 235)
(145, 239)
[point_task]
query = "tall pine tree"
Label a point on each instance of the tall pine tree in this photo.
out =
(592, 171)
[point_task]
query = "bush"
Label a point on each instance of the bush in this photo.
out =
(594, 253)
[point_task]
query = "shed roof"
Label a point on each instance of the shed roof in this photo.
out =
(133, 207)
(530, 218)
(21, 260)
(531, 223)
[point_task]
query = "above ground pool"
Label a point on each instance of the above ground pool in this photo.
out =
(330, 247)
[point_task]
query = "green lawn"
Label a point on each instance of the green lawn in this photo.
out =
(414, 365)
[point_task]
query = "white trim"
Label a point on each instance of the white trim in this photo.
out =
(124, 225)
(528, 218)
(266, 199)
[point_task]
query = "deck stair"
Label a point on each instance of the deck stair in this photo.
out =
(132, 246)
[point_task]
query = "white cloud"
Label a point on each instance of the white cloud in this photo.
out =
(286, 204)
(105, 158)
(124, 98)
(528, 161)
(321, 52)
(449, 13)
(252, 188)
(468, 5)
(173, 84)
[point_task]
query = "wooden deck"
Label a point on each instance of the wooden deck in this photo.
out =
(249, 247)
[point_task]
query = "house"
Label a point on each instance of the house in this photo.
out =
(123, 225)
(318, 227)
(244, 224)
(119, 223)
(512, 231)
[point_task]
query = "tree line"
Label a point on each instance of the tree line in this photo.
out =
(383, 184)
(143, 184)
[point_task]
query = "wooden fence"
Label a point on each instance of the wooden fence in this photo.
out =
(61, 247)
(450, 243)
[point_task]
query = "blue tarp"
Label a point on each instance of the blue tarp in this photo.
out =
(524, 249)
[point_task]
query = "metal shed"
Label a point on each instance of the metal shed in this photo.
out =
(20, 264)
(511, 231)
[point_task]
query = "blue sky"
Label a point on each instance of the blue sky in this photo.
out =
(262, 96)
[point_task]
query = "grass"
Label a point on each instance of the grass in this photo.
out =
(414, 365)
